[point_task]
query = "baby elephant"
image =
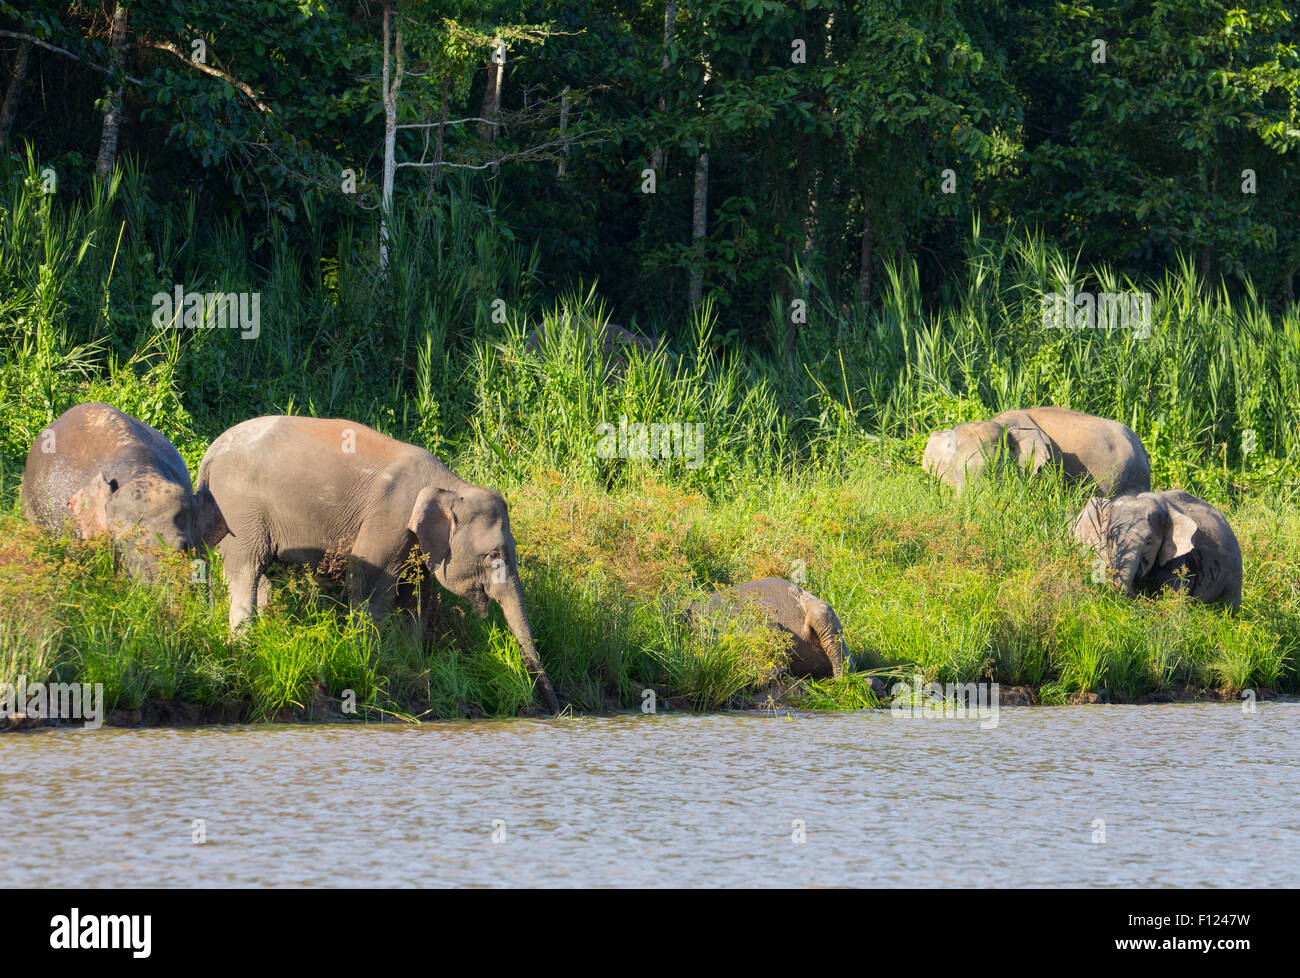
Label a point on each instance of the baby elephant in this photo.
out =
(818, 636)
(1164, 539)
(1085, 447)
(104, 472)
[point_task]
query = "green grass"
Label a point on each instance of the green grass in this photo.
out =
(989, 587)
(809, 467)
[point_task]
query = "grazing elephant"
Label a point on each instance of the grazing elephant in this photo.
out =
(1164, 539)
(1084, 446)
(818, 637)
(104, 472)
(613, 339)
(296, 489)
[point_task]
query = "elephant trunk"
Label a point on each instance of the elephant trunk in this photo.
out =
(512, 605)
(829, 633)
(1126, 572)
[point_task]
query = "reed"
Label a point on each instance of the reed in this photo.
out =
(804, 467)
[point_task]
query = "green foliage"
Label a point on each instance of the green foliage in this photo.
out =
(813, 460)
(842, 137)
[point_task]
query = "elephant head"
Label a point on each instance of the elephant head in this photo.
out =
(825, 624)
(145, 513)
(465, 536)
(956, 454)
(1134, 535)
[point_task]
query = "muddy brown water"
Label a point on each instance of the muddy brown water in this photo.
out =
(1189, 794)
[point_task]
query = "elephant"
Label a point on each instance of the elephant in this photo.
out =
(297, 489)
(1085, 447)
(1164, 539)
(103, 472)
(613, 340)
(818, 636)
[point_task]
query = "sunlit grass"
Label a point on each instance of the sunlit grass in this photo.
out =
(807, 469)
(955, 590)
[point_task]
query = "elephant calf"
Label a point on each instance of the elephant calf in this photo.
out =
(1085, 447)
(818, 636)
(105, 473)
(296, 489)
(1164, 539)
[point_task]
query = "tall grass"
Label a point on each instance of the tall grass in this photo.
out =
(1214, 390)
(810, 463)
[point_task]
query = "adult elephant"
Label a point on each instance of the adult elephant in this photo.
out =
(104, 473)
(1167, 539)
(1085, 447)
(296, 489)
(613, 340)
(818, 637)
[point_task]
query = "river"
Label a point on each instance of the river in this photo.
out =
(1160, 795)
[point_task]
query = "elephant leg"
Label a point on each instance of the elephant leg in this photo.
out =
(373, 571)
(242, 583)
(413, 598)
(244, 561)
(370, 587)
(263, 591)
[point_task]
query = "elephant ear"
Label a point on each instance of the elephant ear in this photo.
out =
(1033, 449)
(433, 522)
(940, 450)
(1178, 537)
(89, 507)
(212, 526)
(1090, 527)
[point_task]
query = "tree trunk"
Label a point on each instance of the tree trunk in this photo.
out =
(15, 91)
(496, 76)
(699, 224)
(389, 93)
(442, 130)
(868, 245)
(1203, 262)
(812, 186)
(113, 117)
(700, 211)
(564, 128)
(659, 157)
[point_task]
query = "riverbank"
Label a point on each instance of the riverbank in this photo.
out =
(798, 463)
(988, 587)
(328, 709)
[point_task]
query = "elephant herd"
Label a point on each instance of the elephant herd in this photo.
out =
(297, 490)
(1147, 540)
(302, 490)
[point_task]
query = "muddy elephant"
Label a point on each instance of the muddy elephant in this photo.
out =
(818, 648)
(104, 473)
(1167, 539)
(297, 489)
(1086, 448)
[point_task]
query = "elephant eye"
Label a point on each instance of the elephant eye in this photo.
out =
(492, 557)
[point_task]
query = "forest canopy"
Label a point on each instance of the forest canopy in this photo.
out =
(678, 149)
